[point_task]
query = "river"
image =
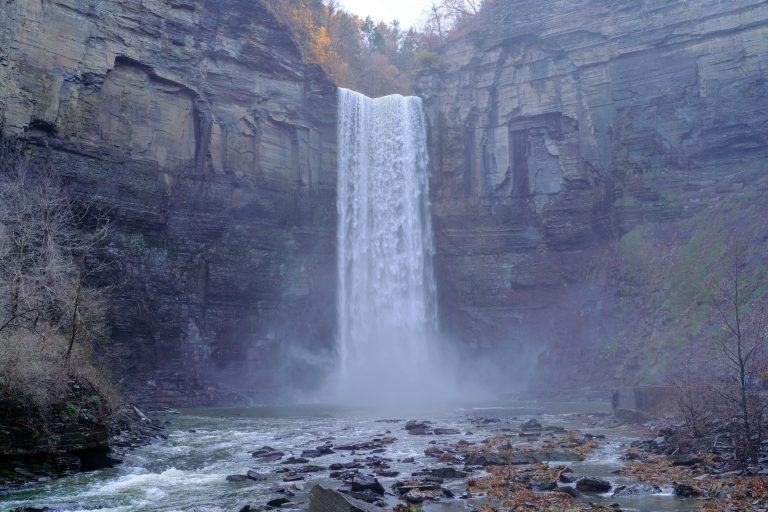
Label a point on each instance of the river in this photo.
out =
(204, 446)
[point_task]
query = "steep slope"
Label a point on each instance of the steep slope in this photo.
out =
(212, 146)
(561, 126)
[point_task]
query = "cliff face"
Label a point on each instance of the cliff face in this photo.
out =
(560, 127)
(196, 124)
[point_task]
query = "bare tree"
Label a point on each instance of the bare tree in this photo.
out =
(694, 397)
(444, 15)
(43, 255)
(743, 348)
(462, 8)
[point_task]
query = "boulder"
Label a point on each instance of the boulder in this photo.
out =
(413, 424)
(295, 460)
(486, 459)
(366, 482)
(322, 499)
(278, 502)
(254, 475)
(567, 489)
(636, 490)
(593, 485)
(532, 424)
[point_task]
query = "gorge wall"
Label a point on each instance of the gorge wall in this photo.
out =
(577, 147)
(196, 125)
(591, 162)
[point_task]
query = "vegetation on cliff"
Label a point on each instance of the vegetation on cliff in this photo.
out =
(372, 57)
(52, 309)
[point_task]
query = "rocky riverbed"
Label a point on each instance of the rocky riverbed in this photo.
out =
(501, 457)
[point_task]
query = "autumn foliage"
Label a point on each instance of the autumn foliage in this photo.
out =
(375, 58)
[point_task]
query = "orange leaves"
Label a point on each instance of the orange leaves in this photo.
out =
(313, 32)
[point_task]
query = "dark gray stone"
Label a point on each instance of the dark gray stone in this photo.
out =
(322, 499)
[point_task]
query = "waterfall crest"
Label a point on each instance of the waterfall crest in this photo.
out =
(387, 310)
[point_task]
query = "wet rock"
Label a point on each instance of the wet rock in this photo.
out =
(532, 424)
(446, 431)
(686, 491)
(636, 490)
(278, 502)
(322, 499)
(570, 491)
(320, 451)
(542, 485)
(387, 474)
(293, 478)
(367, 445)
(404, 486)
(433, 451)
(685, 459)
(336, 466)
(273, 456)
(413, 424)
(264, 450)
(520, 458)
(254, 475)
(237, 478)
(634, 456)
(555, 455)
(295, 460)
(367, 495)
(568, 477)
(593, 485)
(310, 468)
(446, 472)
(366, 482)
(485, 459)
(416, 497)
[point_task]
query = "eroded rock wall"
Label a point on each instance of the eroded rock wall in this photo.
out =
(197, 126)
(557, 126)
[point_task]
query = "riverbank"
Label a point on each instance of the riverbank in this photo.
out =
(79, 431)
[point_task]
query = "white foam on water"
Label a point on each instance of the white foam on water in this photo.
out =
(387, 310)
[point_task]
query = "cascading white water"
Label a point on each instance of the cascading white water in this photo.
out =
(387, 299)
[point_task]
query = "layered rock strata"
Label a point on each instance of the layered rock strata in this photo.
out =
(211, 145)
(557, 126)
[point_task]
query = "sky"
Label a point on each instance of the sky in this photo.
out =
(409, 12)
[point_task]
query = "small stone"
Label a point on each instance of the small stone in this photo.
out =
(686, 491)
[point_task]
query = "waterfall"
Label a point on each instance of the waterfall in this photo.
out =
(387, 308)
